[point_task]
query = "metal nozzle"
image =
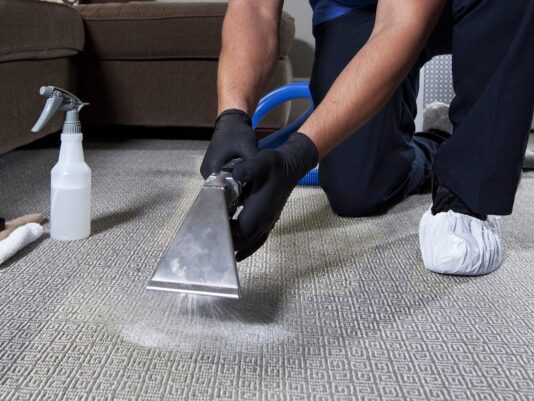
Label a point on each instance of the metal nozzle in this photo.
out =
(200, 259)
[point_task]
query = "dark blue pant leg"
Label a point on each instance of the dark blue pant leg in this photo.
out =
(381, 163)
(493, 74)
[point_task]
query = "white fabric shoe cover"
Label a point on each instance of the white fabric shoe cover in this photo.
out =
(455, 243)
(436, 116)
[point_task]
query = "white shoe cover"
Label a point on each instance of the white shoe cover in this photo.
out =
(436, 116)
(454, 243)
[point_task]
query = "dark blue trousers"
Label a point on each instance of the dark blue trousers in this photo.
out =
(492, 46)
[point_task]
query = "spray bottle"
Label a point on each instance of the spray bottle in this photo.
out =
(70, 205)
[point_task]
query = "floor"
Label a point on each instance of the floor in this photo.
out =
(333, 309)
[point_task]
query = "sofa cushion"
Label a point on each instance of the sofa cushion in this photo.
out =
(32, 30)
(148, 30)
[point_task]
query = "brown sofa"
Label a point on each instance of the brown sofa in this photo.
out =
(138, 52)
(37, 45)
(137, 63)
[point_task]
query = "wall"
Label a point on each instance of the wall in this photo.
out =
(303, 47)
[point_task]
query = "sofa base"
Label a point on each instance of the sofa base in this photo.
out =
(161, 93)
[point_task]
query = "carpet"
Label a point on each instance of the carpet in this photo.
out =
(333, 308)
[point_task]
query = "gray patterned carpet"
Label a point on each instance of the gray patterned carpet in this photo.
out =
(334, 309)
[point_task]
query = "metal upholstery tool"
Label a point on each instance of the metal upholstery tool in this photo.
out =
(201, 259)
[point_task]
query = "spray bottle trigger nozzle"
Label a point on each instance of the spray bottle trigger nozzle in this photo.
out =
(52, 105)
(58, 99)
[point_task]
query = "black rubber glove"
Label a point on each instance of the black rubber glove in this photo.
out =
(269, 178)
(233, 137)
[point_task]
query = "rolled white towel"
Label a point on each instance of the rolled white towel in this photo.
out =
(18, 239)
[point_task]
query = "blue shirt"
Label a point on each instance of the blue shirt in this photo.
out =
(324, 10)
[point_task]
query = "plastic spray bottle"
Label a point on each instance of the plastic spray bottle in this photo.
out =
(70, 203)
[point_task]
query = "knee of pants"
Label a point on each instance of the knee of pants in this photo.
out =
(358, 201)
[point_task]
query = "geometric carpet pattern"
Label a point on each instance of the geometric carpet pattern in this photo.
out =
(332, 308)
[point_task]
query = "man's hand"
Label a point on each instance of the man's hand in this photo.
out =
(269, 178)
(233, 138)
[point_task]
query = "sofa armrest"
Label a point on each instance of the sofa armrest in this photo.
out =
(34, 30)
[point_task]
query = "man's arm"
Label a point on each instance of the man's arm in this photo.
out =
(248, 56)
(249, 52)
(370, 79)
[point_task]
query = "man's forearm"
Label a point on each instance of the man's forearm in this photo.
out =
(249, 52)
(372, 76)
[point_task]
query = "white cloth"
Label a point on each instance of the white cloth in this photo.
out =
(454, 243)
(18, 239)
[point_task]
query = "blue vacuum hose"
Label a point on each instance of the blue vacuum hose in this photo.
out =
(295, 90)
